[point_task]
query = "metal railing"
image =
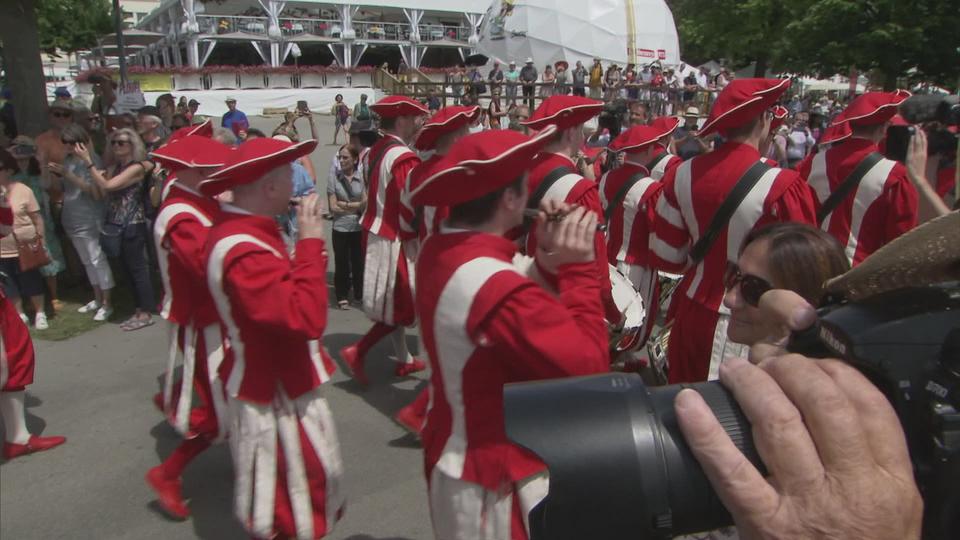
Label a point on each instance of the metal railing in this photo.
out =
(438, 32)
(365, 30)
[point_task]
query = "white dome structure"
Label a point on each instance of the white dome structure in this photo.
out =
(621, 31)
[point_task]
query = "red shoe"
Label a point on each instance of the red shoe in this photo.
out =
(409, 368)
(158, 401)
(409, 419)
(168, 493)
(351, 356)
(34, 444)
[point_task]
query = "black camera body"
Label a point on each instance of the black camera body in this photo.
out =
(620, 467)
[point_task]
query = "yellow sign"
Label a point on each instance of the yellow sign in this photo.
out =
(150, 82)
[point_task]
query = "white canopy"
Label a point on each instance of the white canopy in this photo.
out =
(621, 31)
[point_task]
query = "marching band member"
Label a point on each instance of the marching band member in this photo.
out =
(388, 269)
(688, 239)
(554, 175)
(662, 160)
(485, 324)
(180, 233)
(273, 311)
(444, 128)
(16, 356)
(629, 197)
(879, 203)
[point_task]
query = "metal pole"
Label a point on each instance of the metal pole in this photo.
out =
(118, 28)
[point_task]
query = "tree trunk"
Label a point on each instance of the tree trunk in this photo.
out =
(760, 69)
(21, 58)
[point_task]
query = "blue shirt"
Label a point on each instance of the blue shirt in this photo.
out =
(235, 121)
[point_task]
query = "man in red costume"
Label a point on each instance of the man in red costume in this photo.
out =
(692, 194)
(662, 160)
(444, 128)
(16, 352)
(554, 175)
(486, 324)
(273, 310)
(388, 268)
(629, 197)
(180, 233)
(883, 204)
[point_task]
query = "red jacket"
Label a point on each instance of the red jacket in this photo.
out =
(668, 162)
(629, 228)
(429, 219)
(180, 232)
(883, 207)
(272, 309)
(484, 325)
(385, 181)
(691, 195)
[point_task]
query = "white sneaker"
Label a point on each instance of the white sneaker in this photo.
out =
(103, 313)
(25, 319)
(91, 306)
(40, 321)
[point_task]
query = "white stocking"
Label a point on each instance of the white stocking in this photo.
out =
(399, 339)
(14, 422)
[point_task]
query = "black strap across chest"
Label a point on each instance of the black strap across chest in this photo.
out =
(846, 188)
(621, 194)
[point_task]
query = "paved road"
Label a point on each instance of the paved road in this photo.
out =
(95, 389)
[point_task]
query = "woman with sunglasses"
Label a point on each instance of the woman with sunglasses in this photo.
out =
(791, 256)
(125, 230)
(83, 217)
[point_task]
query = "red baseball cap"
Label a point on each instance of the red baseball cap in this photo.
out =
(447, 120)
(192, 152)
(780, 114)
(204, 130)
(872, 108)
(638, 138)
(564, 112)
(835, 133)
(742, 101)
(397, 106)
(252, 160)
(478, 164)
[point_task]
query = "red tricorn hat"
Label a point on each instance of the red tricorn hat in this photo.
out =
(668, 124)
(638, 138)
(204, 130)
(479, 164)
(835, 133)
(872, 108)
(742, 101)
(780, 114)
(192, 152)
(447, 120)
(397, 106)
(564, 112)
(252, 160)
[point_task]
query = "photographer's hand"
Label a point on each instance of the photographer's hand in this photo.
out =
(791, 312)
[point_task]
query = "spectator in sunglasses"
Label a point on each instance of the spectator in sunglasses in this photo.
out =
(792, 256)
(49, 147)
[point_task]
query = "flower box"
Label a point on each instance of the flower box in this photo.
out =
(280, 80)
(184, 81)
(253, 80)
(223, 81)
(361, 80)
(311, 80)
(337, 80)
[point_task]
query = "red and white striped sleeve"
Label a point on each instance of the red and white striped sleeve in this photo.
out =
(670, 238)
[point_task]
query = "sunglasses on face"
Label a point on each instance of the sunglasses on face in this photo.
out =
(120, 142)
(751, 287)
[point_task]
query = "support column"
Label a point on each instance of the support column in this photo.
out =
(347, 36)
(274, 8)
(192, 29)
(414, 16)
(474, 20)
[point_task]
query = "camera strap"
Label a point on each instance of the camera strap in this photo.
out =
(848, 185)
(727, 209)
(621, 194)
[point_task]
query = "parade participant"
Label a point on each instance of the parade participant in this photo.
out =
(662, 160)
(180, 232)
(485, 324)
(864, 200)
(554, 175)
(284, 445)
(691, 236)
(769, 148)
(629, 197)
(16, 357)
(388, 271)
(438, 135)
(204, 129)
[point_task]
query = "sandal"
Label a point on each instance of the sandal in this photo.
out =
(136, 324)
(343, 304)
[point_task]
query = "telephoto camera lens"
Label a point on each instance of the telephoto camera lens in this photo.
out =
(619, 465)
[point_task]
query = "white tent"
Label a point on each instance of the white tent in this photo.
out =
(621, 31)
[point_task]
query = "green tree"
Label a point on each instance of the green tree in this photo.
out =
(72, 25)
(21, 62)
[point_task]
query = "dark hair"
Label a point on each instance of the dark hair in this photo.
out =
(480, 210)
(254, 132)
(186, 121)
(74, 133)
(33, 167)
(744, 130)
(352, 150)
(338, 97)
(388, 123)
(801, 257)
(7, 162)
(367, 138)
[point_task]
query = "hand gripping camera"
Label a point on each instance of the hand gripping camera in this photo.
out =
(620, 467)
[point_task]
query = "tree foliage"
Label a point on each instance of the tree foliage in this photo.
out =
(894, 38)
(71, 25)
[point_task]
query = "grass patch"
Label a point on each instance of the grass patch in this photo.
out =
(67, 323)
